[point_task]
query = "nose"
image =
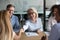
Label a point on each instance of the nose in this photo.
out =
(54, 12)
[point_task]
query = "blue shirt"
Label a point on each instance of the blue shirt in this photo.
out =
(30, 26)
(55, 32)
(15, 23)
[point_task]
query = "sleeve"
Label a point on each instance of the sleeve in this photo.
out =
(54, 34)
(17, 25)
(41, 25)
(25, 27)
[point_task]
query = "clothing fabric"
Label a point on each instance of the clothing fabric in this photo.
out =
(55, 32)
(30, 26)
(51, 22)
(15, 23)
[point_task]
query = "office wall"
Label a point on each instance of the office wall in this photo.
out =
(50, 3)
(22, 5)
(3, 4)
(17, 3)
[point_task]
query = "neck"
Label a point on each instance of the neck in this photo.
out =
(34, 20)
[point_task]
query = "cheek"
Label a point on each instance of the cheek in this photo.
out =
(31, 15)
(12, 12)
(54, 14)
(35, 15)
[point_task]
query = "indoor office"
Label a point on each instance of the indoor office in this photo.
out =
(26, 19)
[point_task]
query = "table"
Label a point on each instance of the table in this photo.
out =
(42, 36)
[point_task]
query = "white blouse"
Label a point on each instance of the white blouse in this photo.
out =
(33, 26)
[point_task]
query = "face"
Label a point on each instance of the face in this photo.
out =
(32, 15)
(55, 12)
(57, 16)
(11, 11)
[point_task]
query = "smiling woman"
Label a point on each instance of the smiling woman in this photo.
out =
(5, 26)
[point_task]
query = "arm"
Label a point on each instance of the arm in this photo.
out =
(15, 36)
(25, 27)
(17, 25)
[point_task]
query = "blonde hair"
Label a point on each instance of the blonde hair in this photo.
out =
(34, 10)
(5, 26)
(2, 28)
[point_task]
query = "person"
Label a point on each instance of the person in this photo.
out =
(55, 31)
(52, 20)
(6, 29)
(14, 19)
(33, 24)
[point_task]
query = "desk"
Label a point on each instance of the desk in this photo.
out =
(24, 37)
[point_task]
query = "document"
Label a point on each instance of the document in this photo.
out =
(29, 34)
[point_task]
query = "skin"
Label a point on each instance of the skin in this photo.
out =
(56, 14)
(32, 15)
(11, 11)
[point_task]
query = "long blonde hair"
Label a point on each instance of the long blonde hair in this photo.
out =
(5, 25)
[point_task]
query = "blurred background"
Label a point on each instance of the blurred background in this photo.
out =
(21, 7)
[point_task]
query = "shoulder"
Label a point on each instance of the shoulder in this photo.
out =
(38, 18)
(57, 26)
(52, 18)
(28, 22)
(13, 16)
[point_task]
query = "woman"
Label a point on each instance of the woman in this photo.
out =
(55, 31)
(6, 32)
(33, 24)
(52, 19)
(5, 23)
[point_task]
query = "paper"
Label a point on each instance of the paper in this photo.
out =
(29, 34)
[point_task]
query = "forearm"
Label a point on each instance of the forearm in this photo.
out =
(21, 31)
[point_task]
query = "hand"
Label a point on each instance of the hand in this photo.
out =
(22, 30)
(38, 31)
(16, 37)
